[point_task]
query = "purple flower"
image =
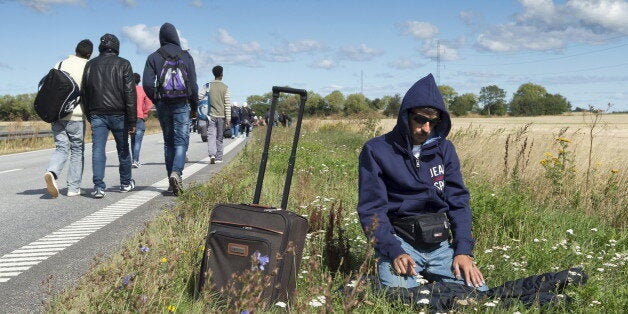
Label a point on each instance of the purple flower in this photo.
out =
(144, 249)
(126, 279)
(244, 312)
(261, 260)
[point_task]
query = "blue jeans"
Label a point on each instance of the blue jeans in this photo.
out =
(235, 129)
(433, 265)
(101, 125)
(175, 125)
(136, 139)
(68, 141)
(215, 135)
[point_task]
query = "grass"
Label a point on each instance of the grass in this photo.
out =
(35, 142)
(529, 219)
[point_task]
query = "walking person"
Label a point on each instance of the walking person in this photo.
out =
(69, 131)
(411, 193)
(219, 114)
(144, 105)
(247, 116)
(169, 80)
(235, 120)
(110, 103)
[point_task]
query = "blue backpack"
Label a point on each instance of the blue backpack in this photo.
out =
(173, 79)
(203, 109)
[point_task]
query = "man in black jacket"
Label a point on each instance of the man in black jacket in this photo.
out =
(109, 102)
(174, 107)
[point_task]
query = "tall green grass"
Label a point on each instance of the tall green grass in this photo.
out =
(518, 234)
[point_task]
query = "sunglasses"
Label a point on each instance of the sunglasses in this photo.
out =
(419, 119)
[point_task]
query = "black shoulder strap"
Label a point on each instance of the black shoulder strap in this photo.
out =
(59, 67)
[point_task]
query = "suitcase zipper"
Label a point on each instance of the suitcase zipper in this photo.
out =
(246, 227)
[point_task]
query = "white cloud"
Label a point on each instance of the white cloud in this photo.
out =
(360, 53)
(419, 30)
(404, 64)
(299, 46)
(5, 66)
(129, 3)
(226, 39)
(44, 6)
(146, 38)
(197, 3)
(324, 64)
(448, 50)
(544, 25)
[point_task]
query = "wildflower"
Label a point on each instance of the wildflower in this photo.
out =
(548, 154)
(594, 229)
(614, 170)
(601, 270)
(318, 301)
(144, 249)
(281, 304)
(536, 240)
(491, 304)
(562, 139)
(144, 299)
(127, 279)
(244, 312)
(261, 260)
(164, 260)
(594, 303)
(570, 231)
(352, 284)
(488, 251)
(424, 301)
(171, 308)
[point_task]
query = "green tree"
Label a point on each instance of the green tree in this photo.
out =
(527, 100)
(316, 105)
(18, 108)
(493, 100)
(356, 103)
(555, 104)
(393, 103)
(448, 93)
(336, 101)
(461, 105)
(260, 103)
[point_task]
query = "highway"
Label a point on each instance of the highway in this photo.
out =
(47, 243)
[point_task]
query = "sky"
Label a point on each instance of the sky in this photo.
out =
(575, 48)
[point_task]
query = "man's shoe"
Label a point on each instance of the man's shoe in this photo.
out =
(127, 187)
(98, 193)
(212, 159)
(218, 161)
(176, 183)
(135, 164)
(51, 184)
(74, 193)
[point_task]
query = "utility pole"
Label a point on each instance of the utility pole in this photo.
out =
(437, 62)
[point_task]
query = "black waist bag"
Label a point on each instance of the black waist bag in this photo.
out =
(422, 231)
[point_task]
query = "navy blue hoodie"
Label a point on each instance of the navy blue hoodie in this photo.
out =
(391, 184)
(169, 41)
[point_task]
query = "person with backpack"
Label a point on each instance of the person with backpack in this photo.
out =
(69, 131)
(235, 120)
(144, 105)
(110, 103)
(247, 117)
(169, 80)
(219, 114)
(412, 196)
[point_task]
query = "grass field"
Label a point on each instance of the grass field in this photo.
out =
(541, 202)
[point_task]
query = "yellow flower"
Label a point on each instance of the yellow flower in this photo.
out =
(548, 154)
(544, 161)
(172, 308)
(614, 170)
(562, 139)
(164, 260)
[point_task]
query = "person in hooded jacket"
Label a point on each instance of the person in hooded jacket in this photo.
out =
(174, 114)
(412, 196)
(109, 102)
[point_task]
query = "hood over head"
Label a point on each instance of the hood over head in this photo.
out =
(109, 43)
(168, 35)
(424, 93)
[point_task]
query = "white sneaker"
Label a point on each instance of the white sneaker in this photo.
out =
(74, 193)
(51, 184)
(212, 159)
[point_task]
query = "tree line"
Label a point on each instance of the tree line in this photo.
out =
(529, 100)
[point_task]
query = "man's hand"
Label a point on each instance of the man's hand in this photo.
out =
(463, 264)
(132, 130)
(404, 265)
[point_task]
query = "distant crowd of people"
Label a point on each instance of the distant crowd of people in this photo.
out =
(117, 101)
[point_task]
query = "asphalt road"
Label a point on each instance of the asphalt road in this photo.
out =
(46, 243)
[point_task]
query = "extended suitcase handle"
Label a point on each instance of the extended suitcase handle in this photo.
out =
(293, 153)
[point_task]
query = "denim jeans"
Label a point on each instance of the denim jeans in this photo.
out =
(136, 139)
(215, 135)
(433, 265)
(101, 125)
(175, 125)
(68, 141)
(235, 129)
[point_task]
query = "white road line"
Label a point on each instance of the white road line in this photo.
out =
(7, 171)
(22, 259)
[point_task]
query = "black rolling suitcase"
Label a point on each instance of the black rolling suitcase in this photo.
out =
(253, 240)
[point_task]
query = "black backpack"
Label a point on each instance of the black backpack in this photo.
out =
(173, 79)
(57, 95)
